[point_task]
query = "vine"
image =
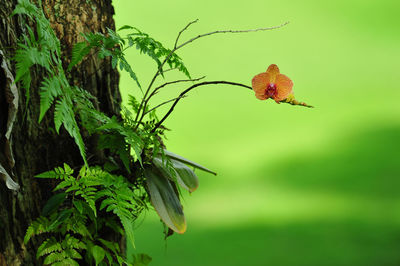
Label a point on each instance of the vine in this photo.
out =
(103, 196)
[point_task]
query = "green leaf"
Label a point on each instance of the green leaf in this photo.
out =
(185, 176)
(142, 260)
(64, 115)
(67, 261)
(127, 224)
(48, 174)
(62, 216)
(98, 254)
(53, 203)
(50, 89)
(54, 257)
(165, 200)
(187, 161)
(48, 246)
(78, 205)
(125, 27)
(80, 50)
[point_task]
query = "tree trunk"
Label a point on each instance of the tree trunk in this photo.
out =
(33, 146)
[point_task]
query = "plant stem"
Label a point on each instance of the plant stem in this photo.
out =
(185, 28)
(161, 104)
(142, 107)
(189, 89)
(156, 90)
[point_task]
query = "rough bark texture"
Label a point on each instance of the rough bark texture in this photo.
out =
(35, 147)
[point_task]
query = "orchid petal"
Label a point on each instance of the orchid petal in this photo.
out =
(273, 70)
(284, 87)
(259, 84)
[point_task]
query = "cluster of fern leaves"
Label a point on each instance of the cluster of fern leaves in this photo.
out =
(97, 198)
(70, 218)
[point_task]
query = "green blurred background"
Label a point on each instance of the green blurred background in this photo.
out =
(295, 186)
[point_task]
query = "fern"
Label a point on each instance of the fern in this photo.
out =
(66, 251)
(65, 115)
(118, 197)
(51, 88)
(113, 45)
(93, 190)
(43, 49)
(37, 227)
(58, 173)
(127, 131)
(154, 49)
(48, 246)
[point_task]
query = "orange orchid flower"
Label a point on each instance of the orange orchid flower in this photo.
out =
(272, 84)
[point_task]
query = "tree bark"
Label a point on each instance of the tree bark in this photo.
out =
(34, 146)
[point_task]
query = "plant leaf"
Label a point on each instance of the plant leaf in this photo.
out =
(62, 216)
(141, 260)
(98, 254)
(165, 200)
(185, 176)
(53, 203)
(187, 161)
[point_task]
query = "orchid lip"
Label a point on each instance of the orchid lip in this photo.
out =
(271, 90)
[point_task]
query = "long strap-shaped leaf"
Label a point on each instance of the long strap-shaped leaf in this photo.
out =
(184, 175)
(165, 200)
(187, 161)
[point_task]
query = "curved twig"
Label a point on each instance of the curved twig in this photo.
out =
(161, 104)
(156, 90)
(189, 89)
(189, 41)
(185, 28)
(230, 31)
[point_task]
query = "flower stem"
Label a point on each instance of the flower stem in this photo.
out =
(189, 89)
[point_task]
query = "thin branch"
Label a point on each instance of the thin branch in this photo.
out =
(230, 31)
(189, 41)
(161, 104)
(189, 89)
(164, 71)
(159, 87)
(172, 82)
(185, 28)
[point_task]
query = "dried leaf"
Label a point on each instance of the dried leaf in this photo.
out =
(11, 96)
(6, 177)
(12, 100)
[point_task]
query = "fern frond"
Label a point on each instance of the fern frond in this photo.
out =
(39, 226)
(48, 246)
(64, 115)
(26, 57)
(155, 50)
(79, 51)
(124, 65)
(63, 251)
(58, 173)
(50, 89)
(77, 225)
(122, 201)
(67, 261)
(55, 257)
(71, 242)
(25, 7)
